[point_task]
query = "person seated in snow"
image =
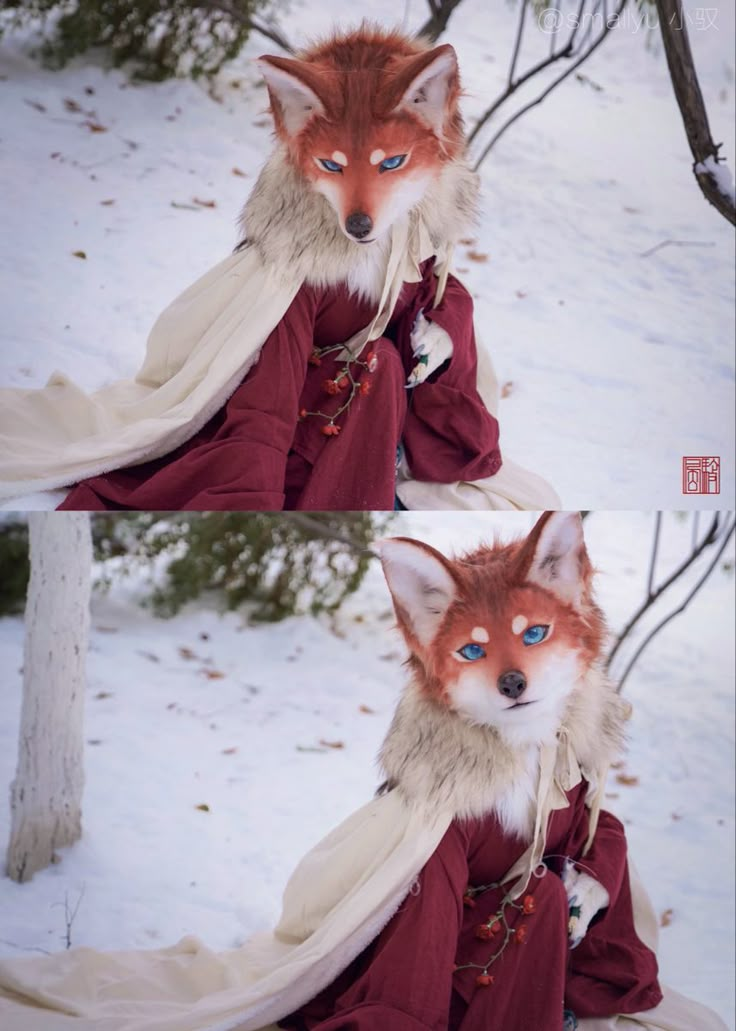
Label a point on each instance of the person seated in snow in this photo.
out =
(331, 362)
(484, 890)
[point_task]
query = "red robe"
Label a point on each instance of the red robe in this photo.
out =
(405, 980)
(257, 454)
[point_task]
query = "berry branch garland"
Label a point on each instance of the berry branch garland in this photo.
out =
(497, 924)
(345, 380)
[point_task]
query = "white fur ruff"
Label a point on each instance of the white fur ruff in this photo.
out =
(438, 758)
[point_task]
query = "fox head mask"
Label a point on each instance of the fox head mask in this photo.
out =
(369, 118)
(505, 634)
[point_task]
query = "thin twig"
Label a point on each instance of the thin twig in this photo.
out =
(274, 35)
(517, 42)
(243, 19)
(655, 549)
(652, 596)
(696, 527)
(568, 50)
(25, 948)
(553, 85)
(675, 243)
(553, 35)
(680, 608)
(70, 915)
(503, 97)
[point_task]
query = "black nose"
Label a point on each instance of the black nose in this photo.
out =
(358, 224)
(512, 684)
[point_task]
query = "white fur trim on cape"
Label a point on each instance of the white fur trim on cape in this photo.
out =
(436, 758)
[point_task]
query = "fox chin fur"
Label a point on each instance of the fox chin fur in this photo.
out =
(293, 227)
(435, 758)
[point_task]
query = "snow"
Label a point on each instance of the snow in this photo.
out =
(275, 729)
(720, 171)
(603, 280)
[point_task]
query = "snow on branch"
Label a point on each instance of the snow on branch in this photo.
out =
(712, 175)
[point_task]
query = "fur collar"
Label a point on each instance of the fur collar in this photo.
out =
(296, 233)
(436, 759)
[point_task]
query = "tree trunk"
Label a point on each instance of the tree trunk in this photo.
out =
(46, 795)
(714, 182)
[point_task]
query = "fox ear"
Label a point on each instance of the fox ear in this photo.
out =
(421, 585)
(554, 556)
(426, 83)
(291, 87)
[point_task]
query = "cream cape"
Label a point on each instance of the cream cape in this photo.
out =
(339, 897)
(204, 343)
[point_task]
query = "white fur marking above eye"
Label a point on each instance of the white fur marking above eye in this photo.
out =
(480, 634)
(377, 156)
(339, 158)
(519, 624)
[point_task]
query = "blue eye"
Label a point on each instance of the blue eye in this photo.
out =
(535, 634)
(330, 166)
(389, 164)
(472, 652)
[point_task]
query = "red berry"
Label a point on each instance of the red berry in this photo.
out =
(529, 905)
(496, 927)
(483, 980)
(330, 386)
(330, 430)
(521, 934)
(365, 387)
(342, 383)
(469, 901)
(314, 358)
(483, 932)
(303, 413)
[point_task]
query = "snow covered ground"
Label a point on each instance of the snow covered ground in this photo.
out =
(618, 363)
(275, 730)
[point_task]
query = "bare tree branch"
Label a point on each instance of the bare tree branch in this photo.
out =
(692, 106)
(680, 608)
(517, 43)
(655, 549)
(608, 26)
(653, 594)
(232, 11)
(274, 35)
(318, 529)
(440, 14)
(566, 51)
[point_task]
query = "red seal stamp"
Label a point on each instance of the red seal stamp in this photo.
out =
(701, 474)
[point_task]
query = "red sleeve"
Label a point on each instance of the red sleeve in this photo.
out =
(237, 461)
(403, 981)
(449, 434)
(611, 971)
(245, 463)
(606, 860)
